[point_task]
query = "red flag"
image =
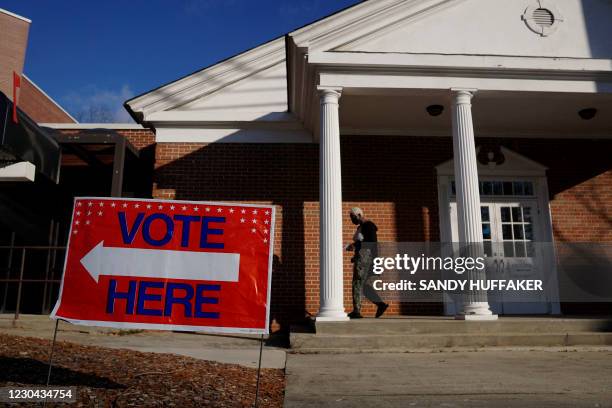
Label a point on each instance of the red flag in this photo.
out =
(16, 84)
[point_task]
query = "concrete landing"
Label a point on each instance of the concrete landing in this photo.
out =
(440, 333)
(491, 378)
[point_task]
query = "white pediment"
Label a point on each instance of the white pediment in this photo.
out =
(582, 29)
(509, 163)
(273, 85)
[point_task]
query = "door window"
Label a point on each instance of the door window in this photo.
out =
(516, 229)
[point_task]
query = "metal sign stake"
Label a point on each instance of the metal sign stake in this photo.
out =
(261, 341)
(52, 350)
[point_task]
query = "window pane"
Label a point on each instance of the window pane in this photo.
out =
(518, 231)
(528, 232)
(505, 214)
(530, 249)
(488, 250)
(518, 188)
(528, 188)
(487, 188)
(527, 214)
(453, 191)
(516, 214)
(507, 188)
(508, 249)
(484, 213)
(520, 249)
(486, 231)
(507, 231)
(498, 188)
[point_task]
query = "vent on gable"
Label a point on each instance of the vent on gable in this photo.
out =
(543, 17)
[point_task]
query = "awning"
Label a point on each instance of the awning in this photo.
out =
(26, 141)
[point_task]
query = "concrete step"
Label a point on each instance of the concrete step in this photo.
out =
(413, 334)
(448, 325)
(321, 343)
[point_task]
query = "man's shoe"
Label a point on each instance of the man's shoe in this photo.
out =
(382, 307)
(355, 315)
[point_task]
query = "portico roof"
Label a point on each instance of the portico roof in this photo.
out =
(379, 47)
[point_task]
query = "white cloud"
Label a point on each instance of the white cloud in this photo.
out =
(93, 104)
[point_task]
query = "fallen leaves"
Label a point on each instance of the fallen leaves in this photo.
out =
(119, 378)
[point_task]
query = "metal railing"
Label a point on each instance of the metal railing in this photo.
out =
(49, 275)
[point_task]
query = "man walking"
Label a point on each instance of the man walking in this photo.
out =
(366, 249)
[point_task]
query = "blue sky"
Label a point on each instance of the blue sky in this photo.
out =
(86, 53)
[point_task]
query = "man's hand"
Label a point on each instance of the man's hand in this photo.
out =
(350, 247)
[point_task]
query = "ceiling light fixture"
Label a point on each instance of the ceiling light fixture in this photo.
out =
(587, 113)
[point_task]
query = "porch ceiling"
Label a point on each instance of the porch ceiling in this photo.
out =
(519, 114)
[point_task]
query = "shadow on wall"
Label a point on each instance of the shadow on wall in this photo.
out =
(386, 171)
(280, 174)
(392, 172)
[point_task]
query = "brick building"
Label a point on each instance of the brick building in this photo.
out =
(445, 121)
(363, 108)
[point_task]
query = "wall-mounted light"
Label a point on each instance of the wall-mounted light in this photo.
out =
(435, 110)
(587, 113)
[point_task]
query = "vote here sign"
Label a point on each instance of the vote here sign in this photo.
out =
(168, 265)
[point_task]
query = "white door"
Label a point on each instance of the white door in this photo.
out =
(509, 230)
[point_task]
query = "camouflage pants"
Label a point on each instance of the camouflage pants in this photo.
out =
(362, 272)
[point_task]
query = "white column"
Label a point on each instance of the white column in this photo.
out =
(475, 304)
(331, 280)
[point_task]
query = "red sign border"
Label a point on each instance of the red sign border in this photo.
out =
(170, 327)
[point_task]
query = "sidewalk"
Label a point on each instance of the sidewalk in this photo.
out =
(231, 349)
(489, 378)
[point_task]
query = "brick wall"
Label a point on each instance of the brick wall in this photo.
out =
(13, 44)
(38, 106)
(391, 178)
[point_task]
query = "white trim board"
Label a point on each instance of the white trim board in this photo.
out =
(21, 171)
(70, 126)
(27, 20)
(200, 135)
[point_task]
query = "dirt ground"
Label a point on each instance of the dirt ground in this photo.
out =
(119, 378)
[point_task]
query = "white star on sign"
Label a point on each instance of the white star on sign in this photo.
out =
(136, 205)
(101, 204)
(99, 212)
(77, 222)
(88, 212)
(265, 231)
(231, 210)
(265, 240)
(90, 203)
(79, 204)
(243, 211)
(207, 209)
(254, 221)
(242, 220)
(266, 222)
(78, 213)
(253, 230)
(254, 211)
(172, 207)
(113, 205)
(87, 222)
(219, 209)
(267, 212)
(124, 205)
(159, 207)
(184, 208)
(148, 206)
(75, 232)
(196, 209)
